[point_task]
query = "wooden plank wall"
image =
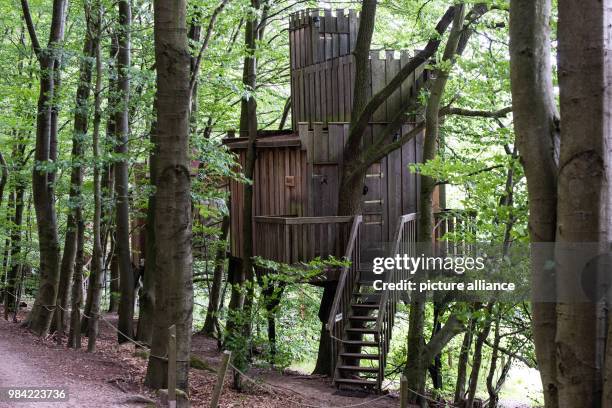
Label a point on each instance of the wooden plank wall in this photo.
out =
(273, 192)
(302, 240)
(323, 92)
(391, 189)
(322, 76)
(322, 72)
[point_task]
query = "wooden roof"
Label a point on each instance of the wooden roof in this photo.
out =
(265, 139)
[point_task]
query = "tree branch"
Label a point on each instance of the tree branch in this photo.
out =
(379, 150)
(205, 42)
(477, 113)
(27, 16)
(422, 57)
(474, 173)
(452, 328)
(527, 362)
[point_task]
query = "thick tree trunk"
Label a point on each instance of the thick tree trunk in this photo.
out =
(173, 269)
(325, 365)
(41, 314)
(211, 321)
(582, 194)
(352, 181)
(535, 117)
(122, 243)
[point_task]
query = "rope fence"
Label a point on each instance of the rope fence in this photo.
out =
(271, 389)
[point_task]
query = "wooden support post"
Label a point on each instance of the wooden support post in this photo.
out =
(172, 366)
(214, 401)
(403, 392)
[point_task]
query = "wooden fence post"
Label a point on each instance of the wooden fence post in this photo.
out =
(403, 392)
(172, 366)
(214, 401)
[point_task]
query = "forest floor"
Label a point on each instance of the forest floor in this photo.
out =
(113, 376)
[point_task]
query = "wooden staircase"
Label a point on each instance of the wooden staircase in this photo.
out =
(361, 319)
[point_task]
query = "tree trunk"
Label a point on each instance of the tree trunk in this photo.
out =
(210, 323)
(66, 267)
(3, 177)
(582, 194)
(96, 278)
(10, 304)
(41, 314)
(173, 269)
(81, 116)
(492, 388)
(248, 126)
(113, 305)
(464, 355)
(477, 359)
(535, 117)
(74, 337)
(351, 181)
(416, 368)
(147, 296)
(122, 243)
(324, 365)
(107, 232)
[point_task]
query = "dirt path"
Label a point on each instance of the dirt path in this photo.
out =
(26, 362)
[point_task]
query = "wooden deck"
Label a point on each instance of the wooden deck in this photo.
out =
(300, 239)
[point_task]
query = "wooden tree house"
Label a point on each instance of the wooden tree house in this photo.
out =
(296, 183)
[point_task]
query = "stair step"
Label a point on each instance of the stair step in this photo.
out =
(349, 381)
(362, 330)
(360, 294)
(364, 343)
(358, 369)
(365, 305)
(360, 356)
(364, 318)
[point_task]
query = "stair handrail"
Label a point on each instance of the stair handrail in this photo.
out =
(386, 309)
(348, 256)
(394, 250)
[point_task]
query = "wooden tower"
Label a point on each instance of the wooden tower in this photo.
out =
(296, 185)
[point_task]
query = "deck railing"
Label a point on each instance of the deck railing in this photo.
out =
(404, 242)
(448, 222)
(300, 239)
(349, 276)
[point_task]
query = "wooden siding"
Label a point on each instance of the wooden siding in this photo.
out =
(298, 174)
(390, 188)
(298, 239)
(280, 187)
(323, 92)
